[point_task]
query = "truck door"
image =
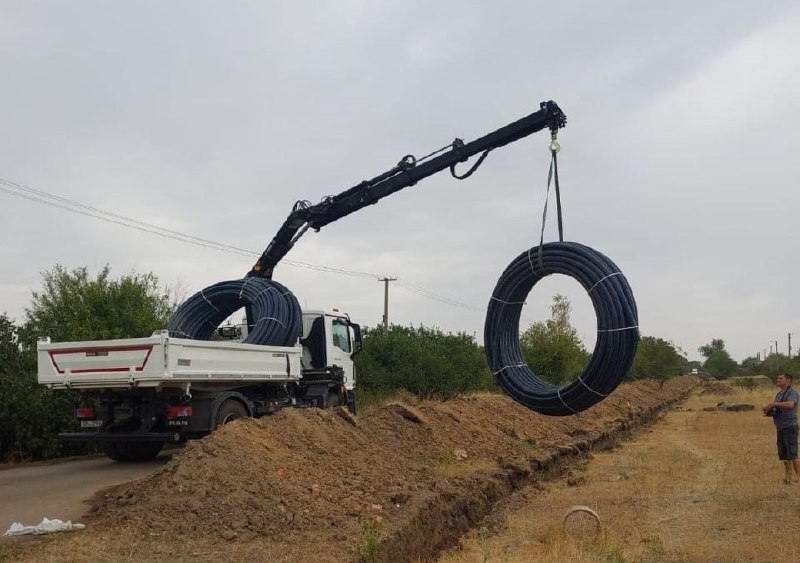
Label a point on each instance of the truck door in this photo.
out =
(341, 348)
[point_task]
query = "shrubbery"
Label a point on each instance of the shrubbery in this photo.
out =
(424, 361)
(71, 306)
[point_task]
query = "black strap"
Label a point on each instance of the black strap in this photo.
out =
(552, 174)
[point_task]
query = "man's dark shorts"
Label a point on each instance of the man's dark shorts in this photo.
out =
(787, 443)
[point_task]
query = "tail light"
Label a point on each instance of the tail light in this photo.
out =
(182, 411)
(84, 413)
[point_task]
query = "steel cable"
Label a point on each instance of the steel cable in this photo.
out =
(617, 328)
(277, 318)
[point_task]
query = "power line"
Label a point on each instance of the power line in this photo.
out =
(40, 196)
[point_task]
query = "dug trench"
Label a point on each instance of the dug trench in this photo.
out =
(399, 483)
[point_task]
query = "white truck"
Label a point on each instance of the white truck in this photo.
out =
(141, 393)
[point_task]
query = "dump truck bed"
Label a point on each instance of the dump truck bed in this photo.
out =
(162, 361)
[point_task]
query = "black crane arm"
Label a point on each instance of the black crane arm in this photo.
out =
(408, 172)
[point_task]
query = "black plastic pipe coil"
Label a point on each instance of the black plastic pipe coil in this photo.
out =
(617, 328)
(277, 318)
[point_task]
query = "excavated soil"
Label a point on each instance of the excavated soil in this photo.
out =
(718, 388)
(398, 483)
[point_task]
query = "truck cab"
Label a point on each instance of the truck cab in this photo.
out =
(330, 340)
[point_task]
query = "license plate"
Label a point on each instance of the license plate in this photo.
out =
(91, 423)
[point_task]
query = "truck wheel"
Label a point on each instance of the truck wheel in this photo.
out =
(332, 400)
(142, 451)
(131, 451)
(112, 451)
(228, 411)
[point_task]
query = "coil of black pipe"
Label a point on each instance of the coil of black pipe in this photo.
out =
(277, 318)
(617, 328)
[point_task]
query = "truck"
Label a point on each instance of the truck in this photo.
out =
(183, 383)
(141, 393)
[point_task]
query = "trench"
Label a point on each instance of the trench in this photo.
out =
(464, 503)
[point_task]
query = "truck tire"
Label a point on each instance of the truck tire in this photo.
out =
(332, 400)
(142, 451)
(131, 451)
(229, 411)
(112, 451)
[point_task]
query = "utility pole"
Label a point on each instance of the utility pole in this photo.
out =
(386, 301)
(776, 345)
(790, 345)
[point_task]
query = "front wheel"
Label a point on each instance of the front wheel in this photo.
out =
(229, 411)
(332, 400)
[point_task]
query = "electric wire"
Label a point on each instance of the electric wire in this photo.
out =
(40, 196)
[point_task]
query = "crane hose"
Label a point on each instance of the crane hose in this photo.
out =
(276, 314)
(617, 328)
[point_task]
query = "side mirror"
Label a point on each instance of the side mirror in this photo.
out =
(356, 338)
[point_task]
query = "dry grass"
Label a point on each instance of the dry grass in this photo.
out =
(699, 486)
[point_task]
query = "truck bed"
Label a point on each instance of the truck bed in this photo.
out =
(162, 361)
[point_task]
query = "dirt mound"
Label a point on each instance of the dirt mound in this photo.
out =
(718, 388)
(399, 484)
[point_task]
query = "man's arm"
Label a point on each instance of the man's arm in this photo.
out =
(789, 403)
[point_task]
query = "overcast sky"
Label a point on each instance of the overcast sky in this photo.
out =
(679, 160)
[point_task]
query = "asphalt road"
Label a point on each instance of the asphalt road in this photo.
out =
(29, 493)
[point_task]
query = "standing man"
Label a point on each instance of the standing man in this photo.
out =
(784, 413)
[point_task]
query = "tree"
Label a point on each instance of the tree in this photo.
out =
(552, 348)
(73, 306)
(718, 362)
(751, 365)
(657, 358)
(70, 306)
(423, 361)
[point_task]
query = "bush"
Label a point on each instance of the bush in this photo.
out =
(424, 361)
(71, 306)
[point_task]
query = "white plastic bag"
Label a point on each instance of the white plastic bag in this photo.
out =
(46, 526)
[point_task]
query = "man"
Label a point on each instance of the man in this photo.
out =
(784, 413)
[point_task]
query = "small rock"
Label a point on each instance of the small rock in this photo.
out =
(575, 481)
(460, 454)
(375, 508)
(315, 491)
(228, 535)
(399, 498)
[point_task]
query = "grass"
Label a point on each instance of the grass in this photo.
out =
(698, 486)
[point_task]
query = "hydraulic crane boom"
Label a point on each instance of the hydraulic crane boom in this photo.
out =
(407, 173)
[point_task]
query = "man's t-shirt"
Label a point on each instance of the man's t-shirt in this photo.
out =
(787, 418)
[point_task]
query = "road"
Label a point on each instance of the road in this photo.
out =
(29, 493)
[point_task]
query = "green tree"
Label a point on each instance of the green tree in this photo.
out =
(751, 366)
(718, 362)
(657, 358)
(423, 361)
(74, 306)
(71, 305)
(552, 348)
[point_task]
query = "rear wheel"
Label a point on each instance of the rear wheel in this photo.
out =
(112, 451)
(142, 451)
(229, 411)
(332, 400)
(131, 451)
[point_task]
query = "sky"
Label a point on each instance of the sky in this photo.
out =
(679, 160)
